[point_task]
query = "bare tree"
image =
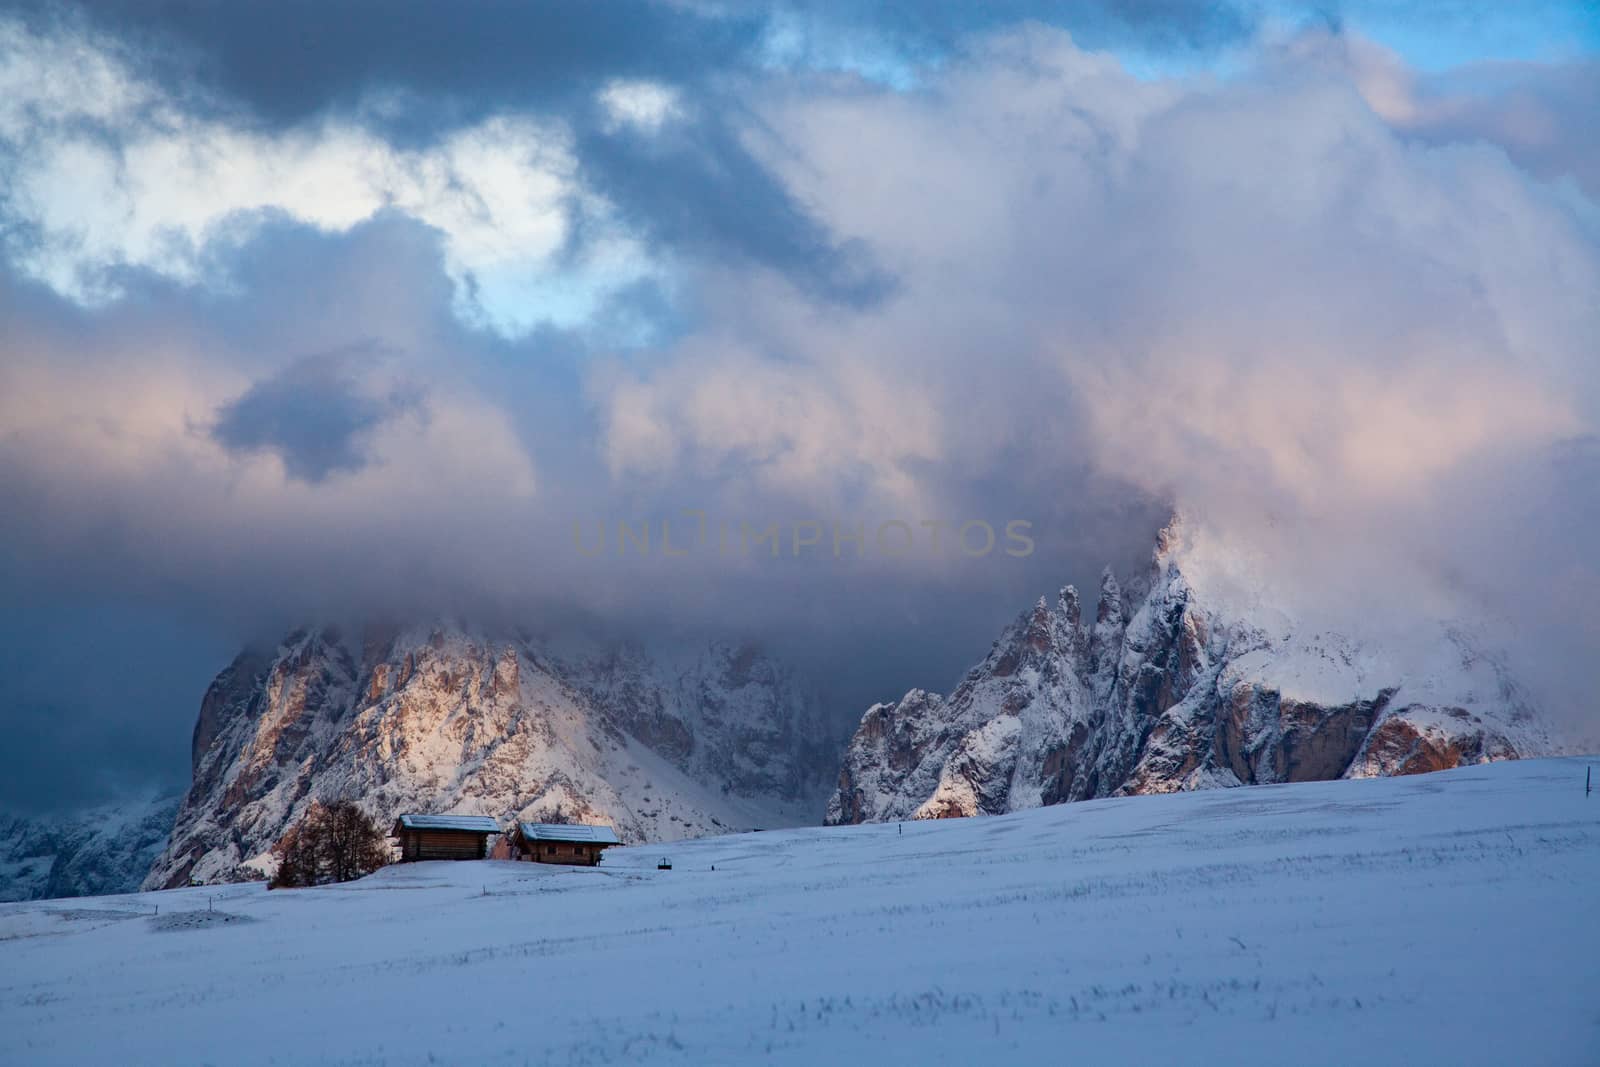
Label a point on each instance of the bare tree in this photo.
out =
(335, 842)
(353, 845)
(297, 857)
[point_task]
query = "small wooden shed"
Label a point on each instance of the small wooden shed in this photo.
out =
(443, 837)
(573, 843)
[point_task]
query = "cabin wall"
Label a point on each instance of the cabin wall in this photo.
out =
(441, 845)
(587, 855)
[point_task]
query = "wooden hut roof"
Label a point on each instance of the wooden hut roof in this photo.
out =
(573, 833)
(476, 824)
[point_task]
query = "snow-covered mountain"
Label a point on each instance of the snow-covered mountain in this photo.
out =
(83, 853)
(445, 719)
(1173, 685)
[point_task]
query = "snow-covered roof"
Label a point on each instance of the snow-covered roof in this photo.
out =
(573, 832)
(480, 824)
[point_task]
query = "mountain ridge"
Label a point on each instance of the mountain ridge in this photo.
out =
(443, 717)
(91, 852)
(1163, 691)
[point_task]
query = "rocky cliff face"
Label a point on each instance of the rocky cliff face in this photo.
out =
(1162, 691)
(84, 853)
(442, 719)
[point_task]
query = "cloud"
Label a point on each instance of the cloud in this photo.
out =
(165, 443)
(107, 173)
(313, 414)
(294, 61)
(545, 219)
(1267, 298)
(697, 187)
(291, 63)
(642, 104)
(819, 433)
(1528, 108)
(273, 354)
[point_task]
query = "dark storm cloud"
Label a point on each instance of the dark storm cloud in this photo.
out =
(696, 187)
(291, 59)
(315, 415)
(96, 693)
(696, 190)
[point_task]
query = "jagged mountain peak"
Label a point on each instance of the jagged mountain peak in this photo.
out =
(1172, 688)
(1068, 604)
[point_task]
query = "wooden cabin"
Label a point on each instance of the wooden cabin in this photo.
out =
(543, 842)
(443, 837)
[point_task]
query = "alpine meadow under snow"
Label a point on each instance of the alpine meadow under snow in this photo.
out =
(1440, 918)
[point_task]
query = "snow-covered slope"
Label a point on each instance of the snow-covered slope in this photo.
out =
(445, 719)
(83, 853)
(1179, 683)
(1432, 919)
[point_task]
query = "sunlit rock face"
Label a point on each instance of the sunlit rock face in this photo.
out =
(660, 744)
(1162, 691)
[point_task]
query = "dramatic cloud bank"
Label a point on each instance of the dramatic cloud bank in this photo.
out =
(267, 358)
(106, 173)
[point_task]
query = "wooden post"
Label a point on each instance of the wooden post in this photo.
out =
(1588, 772)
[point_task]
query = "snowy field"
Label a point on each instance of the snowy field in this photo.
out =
(1448, 918)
